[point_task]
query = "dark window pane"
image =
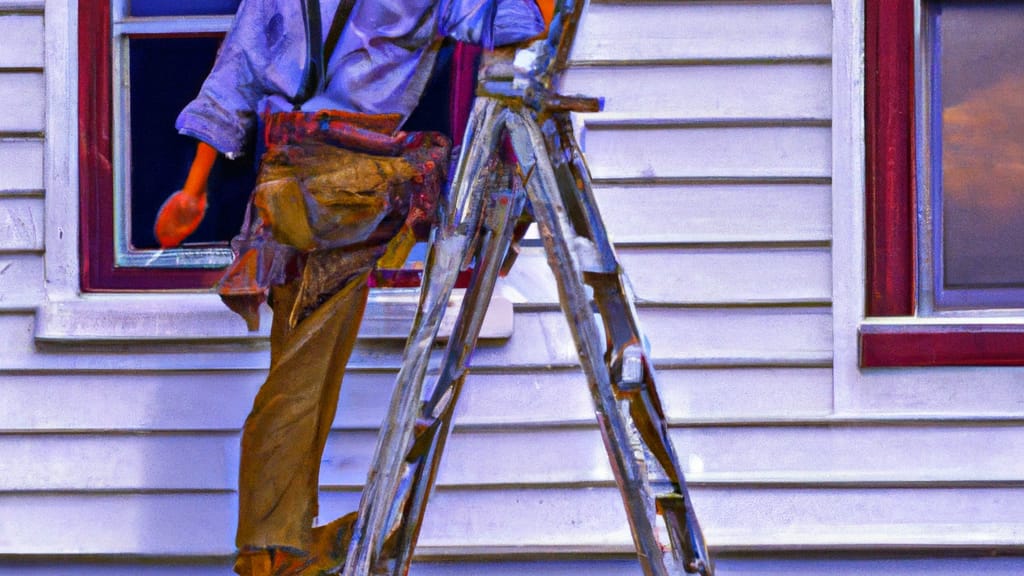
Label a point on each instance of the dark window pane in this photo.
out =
(981, 82)
(182, 7)
(166, 74)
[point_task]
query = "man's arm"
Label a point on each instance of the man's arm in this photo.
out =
(183, 211)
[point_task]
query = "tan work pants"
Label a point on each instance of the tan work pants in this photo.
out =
(284, 436)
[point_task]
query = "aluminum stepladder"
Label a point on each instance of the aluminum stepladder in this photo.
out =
(525, 115)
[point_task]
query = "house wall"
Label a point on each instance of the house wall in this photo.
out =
(728, 165)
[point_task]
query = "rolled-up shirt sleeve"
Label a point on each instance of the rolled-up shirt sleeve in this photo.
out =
(490, 22)
(224, 112)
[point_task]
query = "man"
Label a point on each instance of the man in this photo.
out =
(338, 182)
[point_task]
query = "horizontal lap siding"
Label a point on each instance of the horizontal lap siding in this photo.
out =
(714, 181)
(215, 401)
(712, 165)
(22, 95)
(22, 117)
(538, 519)
(21, 164)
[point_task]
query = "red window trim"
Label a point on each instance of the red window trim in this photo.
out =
(95, 171)
(891, 229)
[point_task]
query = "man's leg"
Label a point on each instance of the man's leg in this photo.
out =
(284, 435)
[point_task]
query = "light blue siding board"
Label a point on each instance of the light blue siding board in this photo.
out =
(21, 282)
(708, 91)
(189, 524)
(21, 220)
(616, 31)
(729, 213)
(23, 40)
(21, 164)
(113, 462)
(24, 100)
(701, 152)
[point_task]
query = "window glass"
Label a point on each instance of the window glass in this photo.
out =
(159, 156)
(977, 156)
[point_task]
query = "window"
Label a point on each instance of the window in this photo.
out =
(973, 175)
(943, 288)
(131, 158)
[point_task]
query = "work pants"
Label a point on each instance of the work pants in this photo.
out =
(284, 436)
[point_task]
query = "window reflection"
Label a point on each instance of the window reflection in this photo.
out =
(979, 78)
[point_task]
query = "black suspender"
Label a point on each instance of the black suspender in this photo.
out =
(337, 25)
(318, 51)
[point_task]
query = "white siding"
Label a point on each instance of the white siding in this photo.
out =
(714, 165)
(22, 95)
(21, 164)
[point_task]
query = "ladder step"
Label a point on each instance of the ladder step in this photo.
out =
(684, 534)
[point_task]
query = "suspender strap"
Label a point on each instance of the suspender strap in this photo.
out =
(313, 74)
(337, 25)
(318, 52)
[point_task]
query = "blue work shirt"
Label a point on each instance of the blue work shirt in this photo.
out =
(381, 64)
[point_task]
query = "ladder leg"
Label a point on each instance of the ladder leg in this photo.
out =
(435, 421)
(628, 359)
(569, 255)
(618, 370)
(449, 250)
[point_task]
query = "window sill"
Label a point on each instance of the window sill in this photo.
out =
(907, 341)
(175, 317)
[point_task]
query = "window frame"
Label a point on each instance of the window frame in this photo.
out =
(893, 334)
(98, 167)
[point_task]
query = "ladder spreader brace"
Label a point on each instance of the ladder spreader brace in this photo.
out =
(520, 148)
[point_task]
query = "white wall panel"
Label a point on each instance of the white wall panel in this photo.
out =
(21, 281)
(23, 40)
(729, 275)
(21, 219)
(926, 452)
(127, 401)
(953, 392)
(746, 393)
(674, 213)
(806, 455)
(21, 164)
(702, 151)
(541, 339)
(24, 100)
(525, 520)
(695, 275)
(745, 518)
(764, 335)
(707, 91)
(112, 462)
(219, 401)
(699, 393)
(616, 31)
(189, 524)
(18, 345)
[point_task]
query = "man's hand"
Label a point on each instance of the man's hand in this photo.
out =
(179, 217)
(184, 210)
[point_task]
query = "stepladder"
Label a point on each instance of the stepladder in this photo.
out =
(520, 162)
